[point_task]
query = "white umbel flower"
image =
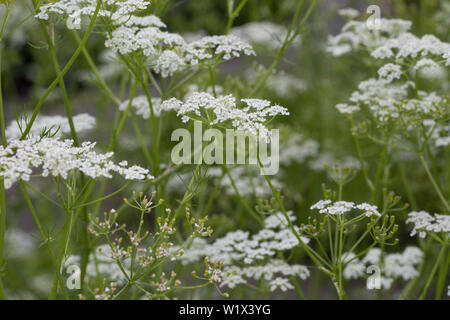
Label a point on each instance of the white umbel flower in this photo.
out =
(390, 72)
(250, 118)
(425, 223)
(226, 47)
(59, 158)
(342, 207)
(75, 10)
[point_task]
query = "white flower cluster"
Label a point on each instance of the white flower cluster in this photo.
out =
(439, 133)
(142, 107)
(409, 54)
(117, 10)
(226, 47)
(263, 33)
(390, 72)
(252, 253)
(59, 158)
(250, 119)
(426, 223)
(396, 265)
(390, 101)
(407, 45)
(58, 125)
(341, 207)
(357, 34)
(169, 51)
(151, 40)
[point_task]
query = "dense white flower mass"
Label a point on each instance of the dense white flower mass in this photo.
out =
(342, 207)
(390, 72)
(425, 223)
(226, 47)
(244, 256)
(169, 51)
(428, 66)
(388, 101)
(58, 125)
(250, 118)
(75, 10)
(59, 158)
(142, 107)
(395, 266)
(392, 41)
(357, 34)
(150, 40)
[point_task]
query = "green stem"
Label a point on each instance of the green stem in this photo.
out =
(433, 182)
(244, 203)
(361, 159)
(94, 69)
(444, 267)
(285, 45)
(430, 278)
(379, 172)
(2, 181)
(41, 101)
(62, 251)
(44, 236)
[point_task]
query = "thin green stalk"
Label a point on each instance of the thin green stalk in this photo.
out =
(244, 203)
(381, 163)
(407, 186)
(361, 159)
(41, 101)
(62, 249)
(232, 14)
(444, 268)
(155, 142)
(2, 181)
(94, 69)
(138, 132)
(121, 123)
(315, 257)
(433, 182)
(285, 45)
(44, 236)
(431, 276)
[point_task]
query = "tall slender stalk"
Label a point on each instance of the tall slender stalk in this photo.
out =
(2, 181)
(433, 272)
(55, 82)
(433, 182)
